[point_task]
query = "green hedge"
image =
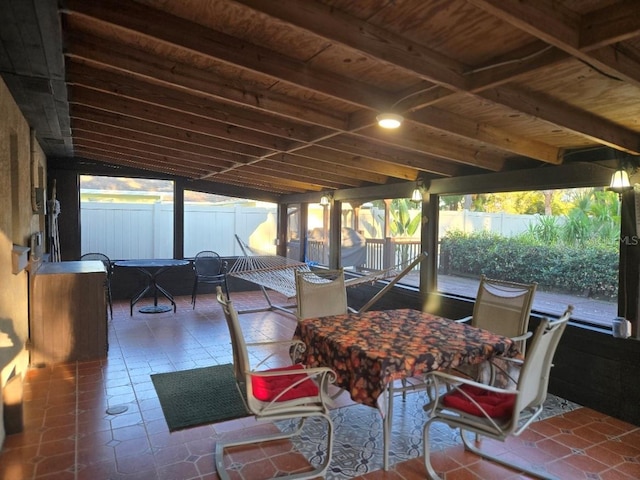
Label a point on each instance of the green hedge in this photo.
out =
(587, 270)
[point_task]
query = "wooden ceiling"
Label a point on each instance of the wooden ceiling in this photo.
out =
(282, 96)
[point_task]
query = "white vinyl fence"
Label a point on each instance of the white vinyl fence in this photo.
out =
(145, 230)
(504, 224)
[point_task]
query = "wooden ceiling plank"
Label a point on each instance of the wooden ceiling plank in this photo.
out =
(339, 27)
(134, 165)
(253, 181)
(549, 20)
(153, 128)
(141, 162)
(515, 64)
(77, 69)
(164, 116)
(579, 121)
(109, 149)
(120, 134)
(544, 19)
(434, 147)
(272, 168)
(430, 152)
(453, 124)
(358, 162)
(98, 99)
(335, 167)
(142, 148)
(178, 100)
(609, 25)
(93, 50)
(252, 178)
(172, 30)
(364, 148)
(304, 167)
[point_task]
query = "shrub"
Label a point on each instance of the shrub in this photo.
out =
(588, 269)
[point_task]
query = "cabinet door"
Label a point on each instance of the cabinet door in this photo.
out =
(69, 321)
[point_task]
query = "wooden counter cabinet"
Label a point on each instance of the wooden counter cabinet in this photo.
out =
(69, 312)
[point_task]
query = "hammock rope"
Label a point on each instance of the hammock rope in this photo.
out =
(278, 273)
(270, 271)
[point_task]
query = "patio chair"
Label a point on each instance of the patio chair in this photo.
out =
(494, 412)
(273, 394)
(210, 269)
(504, 308)
(320, 293)
(108, 265)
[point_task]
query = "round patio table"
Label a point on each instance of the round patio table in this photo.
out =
(152, 269)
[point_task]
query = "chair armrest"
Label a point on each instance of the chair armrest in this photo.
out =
(522, 337)
(464, 320)
(272, 343)
(454, 380)
(310, 372)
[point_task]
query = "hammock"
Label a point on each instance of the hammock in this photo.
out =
(278, 273)
(268, 271)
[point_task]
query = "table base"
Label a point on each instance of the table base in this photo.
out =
(155, 309)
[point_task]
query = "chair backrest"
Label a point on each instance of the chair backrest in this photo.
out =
(100, 257)
(241, 363)
(320, 293)
(533, 381)
(208, 264)
(503, 307)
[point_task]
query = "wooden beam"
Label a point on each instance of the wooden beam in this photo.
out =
(158, 129)
(195, 38)
(558, 26)
(86, 135)
(609, 25)
(117, 133)
(578, 121)
(336, 26)
(452, 124)
(131, 61)
(165, 116)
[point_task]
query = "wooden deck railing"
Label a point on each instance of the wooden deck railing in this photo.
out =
(381, 253)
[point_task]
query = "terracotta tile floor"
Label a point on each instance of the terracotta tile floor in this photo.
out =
(70, 433)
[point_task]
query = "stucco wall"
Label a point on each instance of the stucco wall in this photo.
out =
(17, 223)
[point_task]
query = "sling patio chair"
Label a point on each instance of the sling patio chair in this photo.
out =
(495, 412)
(273, 394)
(320, 293)
(502, 307)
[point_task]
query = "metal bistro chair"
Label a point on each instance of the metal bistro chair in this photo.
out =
(210, 269)
(494, 412)
(320, 293)
(280, 393)
(108, 265)
(504, 308)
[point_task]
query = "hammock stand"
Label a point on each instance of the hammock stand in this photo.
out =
(278, 273)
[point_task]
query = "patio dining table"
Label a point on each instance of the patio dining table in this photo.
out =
(370, 351)
(152, 269)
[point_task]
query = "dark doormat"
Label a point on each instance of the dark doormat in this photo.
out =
(199, 396)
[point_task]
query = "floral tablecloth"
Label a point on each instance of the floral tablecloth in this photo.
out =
(369, 350)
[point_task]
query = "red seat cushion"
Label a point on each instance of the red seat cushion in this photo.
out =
(497, 405)
(266, 389)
